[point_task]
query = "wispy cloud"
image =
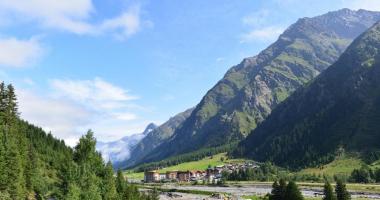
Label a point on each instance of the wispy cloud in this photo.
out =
(74, 16)
(69, 107)
(62, 117)
(19, 53)
(220, 59)
(125, 25)
(260, 28)
(264, 34)
(96, 93)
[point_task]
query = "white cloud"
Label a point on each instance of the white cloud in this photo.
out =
(260, 27)
(264, 34)
(19, 53)
(59, 116)
(73, 16)
(220, 59)
(373, 5)
(96, 93)
(125, 116)
(127, 23)
(70, 107)
(66, 15)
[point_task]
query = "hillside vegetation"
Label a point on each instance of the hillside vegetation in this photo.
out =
(338, 112)
(342, 166)
(252, 89)
(35, 165)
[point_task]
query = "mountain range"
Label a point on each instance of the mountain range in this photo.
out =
(338, 111)
(119, 151)
(249, 91)
(156, 137)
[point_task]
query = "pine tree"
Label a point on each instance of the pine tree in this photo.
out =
(85, 150)
(109, 185)
(282, 188)
(73, 193)
(13, 170)
(90, 187)
(377, 175)
(328, 192)
(292, 192)
(31, 170)
(3, 104)
(3, 165)
(11, 110)
(275, 194)
(131, 192)
(341, 191)
(120, 183)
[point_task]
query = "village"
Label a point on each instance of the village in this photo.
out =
(212, 175)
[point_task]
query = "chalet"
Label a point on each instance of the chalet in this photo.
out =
(162, 176)
(183, 176)
(151, 176)
(197, 174)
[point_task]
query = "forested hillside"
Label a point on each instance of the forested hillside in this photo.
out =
(338, 112)
(35, 165)
(250, 90)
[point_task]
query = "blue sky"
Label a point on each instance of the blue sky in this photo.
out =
(116, 65)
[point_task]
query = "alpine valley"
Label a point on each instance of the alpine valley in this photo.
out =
(249, 91)
(305, 109)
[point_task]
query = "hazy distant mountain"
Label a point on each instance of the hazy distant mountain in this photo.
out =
(339, 110)
(156, 137)
(119, 151)
(250, 90)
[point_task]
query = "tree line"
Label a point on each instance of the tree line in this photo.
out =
(36, 166)
(365, 175)
(281, 190)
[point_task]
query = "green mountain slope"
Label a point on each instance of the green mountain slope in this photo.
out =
(249, 91)
(156, 137)
(339, 110)
(35, 165)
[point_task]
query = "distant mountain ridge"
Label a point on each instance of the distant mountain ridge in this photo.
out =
(249, 91)
(156, 137)
(119, 151)
(339, 110)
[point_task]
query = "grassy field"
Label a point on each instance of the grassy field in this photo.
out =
(194, 165)
(343, 165)
(339, 166)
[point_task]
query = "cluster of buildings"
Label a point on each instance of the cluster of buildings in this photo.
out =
(211, 174)
(180, 176)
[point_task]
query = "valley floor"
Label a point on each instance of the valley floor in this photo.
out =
(248, 190)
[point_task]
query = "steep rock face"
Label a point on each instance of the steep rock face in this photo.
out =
(339, 110)
(249, 91)
(156, 137)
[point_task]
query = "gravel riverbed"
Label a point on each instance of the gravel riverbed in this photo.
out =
(238, 191)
